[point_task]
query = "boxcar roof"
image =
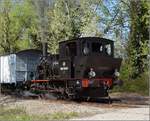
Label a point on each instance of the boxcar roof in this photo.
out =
(29, 50)
(86, 38)
(23, 51)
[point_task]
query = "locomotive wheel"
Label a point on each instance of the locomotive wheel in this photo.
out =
(61, 96)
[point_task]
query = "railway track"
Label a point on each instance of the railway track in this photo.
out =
(117, 101)
(100, 103)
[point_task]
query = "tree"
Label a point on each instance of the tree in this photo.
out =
(16, 23)
(114, 23)
(71, 19)
(5, 26)
(138, 43)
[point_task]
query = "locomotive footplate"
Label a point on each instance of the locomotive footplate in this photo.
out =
(75, 87)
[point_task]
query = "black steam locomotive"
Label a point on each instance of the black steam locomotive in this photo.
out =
(84, 67)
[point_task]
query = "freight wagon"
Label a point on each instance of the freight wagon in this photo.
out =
(19, 67)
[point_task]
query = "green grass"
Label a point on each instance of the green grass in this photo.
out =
(62, 115)
(19, 114)
(13, 114)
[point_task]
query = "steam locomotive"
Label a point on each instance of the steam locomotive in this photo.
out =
(85, 67)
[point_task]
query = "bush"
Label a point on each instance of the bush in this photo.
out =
(138, 85)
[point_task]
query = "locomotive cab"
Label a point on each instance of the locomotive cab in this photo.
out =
(79, 55)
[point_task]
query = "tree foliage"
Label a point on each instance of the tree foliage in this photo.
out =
(138, 42)
(16, 24)
(71, 19)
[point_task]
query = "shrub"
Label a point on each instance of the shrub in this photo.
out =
(137, 85)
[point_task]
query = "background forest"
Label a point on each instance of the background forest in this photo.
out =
(25, 24)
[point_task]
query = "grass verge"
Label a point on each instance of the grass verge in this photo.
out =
(19, 114)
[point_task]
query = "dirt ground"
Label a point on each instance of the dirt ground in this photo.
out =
(140, 113)
(124, 107)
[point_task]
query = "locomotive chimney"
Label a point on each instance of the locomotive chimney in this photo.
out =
(44, 49)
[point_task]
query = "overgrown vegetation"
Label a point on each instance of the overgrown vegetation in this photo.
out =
(19, 114)
(134, 70)
(138, 85)
(138, 49)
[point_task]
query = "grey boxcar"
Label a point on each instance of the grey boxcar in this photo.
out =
(19, 67)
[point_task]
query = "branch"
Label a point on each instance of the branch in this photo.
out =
(125, 3)
(97, 6)
(106, 29)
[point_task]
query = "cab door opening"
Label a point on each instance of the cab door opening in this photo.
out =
(72, 48)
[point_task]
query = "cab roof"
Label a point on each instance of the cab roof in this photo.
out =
(87, 39)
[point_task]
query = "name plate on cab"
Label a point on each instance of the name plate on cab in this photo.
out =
(63, 68)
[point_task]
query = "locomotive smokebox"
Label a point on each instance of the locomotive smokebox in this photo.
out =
(44, 49)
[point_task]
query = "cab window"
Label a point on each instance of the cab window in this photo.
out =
(85, 48)
(107, 49)
(97, 47)
(71, 49)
